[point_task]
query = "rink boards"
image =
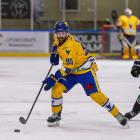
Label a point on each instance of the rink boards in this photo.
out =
(38, 43)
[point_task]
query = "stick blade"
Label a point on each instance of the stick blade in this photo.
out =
(22, 120)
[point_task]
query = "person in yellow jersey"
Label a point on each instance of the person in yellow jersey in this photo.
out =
(127, 25)
(78, 67)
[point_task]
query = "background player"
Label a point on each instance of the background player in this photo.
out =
(136, 108)
(127, 25)
(78, 66)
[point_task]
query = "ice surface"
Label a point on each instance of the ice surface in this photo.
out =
(20, 81)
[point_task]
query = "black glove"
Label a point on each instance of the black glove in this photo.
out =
(54, 58)
(135, 71)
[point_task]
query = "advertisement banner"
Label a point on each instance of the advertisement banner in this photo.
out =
(115, 45)
(24, 41)
(91, 41)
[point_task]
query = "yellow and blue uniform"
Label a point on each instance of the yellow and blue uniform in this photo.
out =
(74, 56)
(128, 25)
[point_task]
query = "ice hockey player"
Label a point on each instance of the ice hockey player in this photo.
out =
(127, 25)
(135, 71)
(78, 66)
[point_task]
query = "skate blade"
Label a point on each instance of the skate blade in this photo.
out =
(126, 126)
(55, 124)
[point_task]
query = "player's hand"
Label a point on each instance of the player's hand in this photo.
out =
(54, 59)
(135, 71)
(49, 82)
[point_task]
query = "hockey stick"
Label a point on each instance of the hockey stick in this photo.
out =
(23, 120)
(127, 42)
(130, 44)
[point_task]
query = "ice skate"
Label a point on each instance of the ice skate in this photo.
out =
(122, 120)
(130, 115)
(54, 120)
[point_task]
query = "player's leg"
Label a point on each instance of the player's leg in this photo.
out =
(57, 101)
(131, 39)
(135, 110)
(134, 52)
(125, 47)
(105, 102)
(64, 84)
(92, 89)
(125, 50)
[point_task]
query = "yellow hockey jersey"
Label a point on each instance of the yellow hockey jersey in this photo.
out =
(128, 24)
(72, 53)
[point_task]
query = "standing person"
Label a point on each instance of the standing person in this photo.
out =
(135, 71)
(127, 25)
(78, 66)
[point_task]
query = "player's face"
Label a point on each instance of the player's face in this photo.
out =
(61, 36)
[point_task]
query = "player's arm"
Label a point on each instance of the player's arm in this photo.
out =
(138, 23)
(120, 22)
(135, 71)
(120, 28)
(54, 57)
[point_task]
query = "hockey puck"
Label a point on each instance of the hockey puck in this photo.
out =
(17, 130)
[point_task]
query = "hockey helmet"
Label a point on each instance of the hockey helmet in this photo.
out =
(61, 26)
(128, 12)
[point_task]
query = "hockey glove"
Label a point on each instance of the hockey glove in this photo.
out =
(135, 71)
(54, 58)
(49, 82)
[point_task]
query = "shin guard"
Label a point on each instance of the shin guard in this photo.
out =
(104, 101)
(134, 54)
(125, 52)
(57, 98)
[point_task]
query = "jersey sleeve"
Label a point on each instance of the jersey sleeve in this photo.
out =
(120, 21)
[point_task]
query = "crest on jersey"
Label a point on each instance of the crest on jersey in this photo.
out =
(68, 52)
